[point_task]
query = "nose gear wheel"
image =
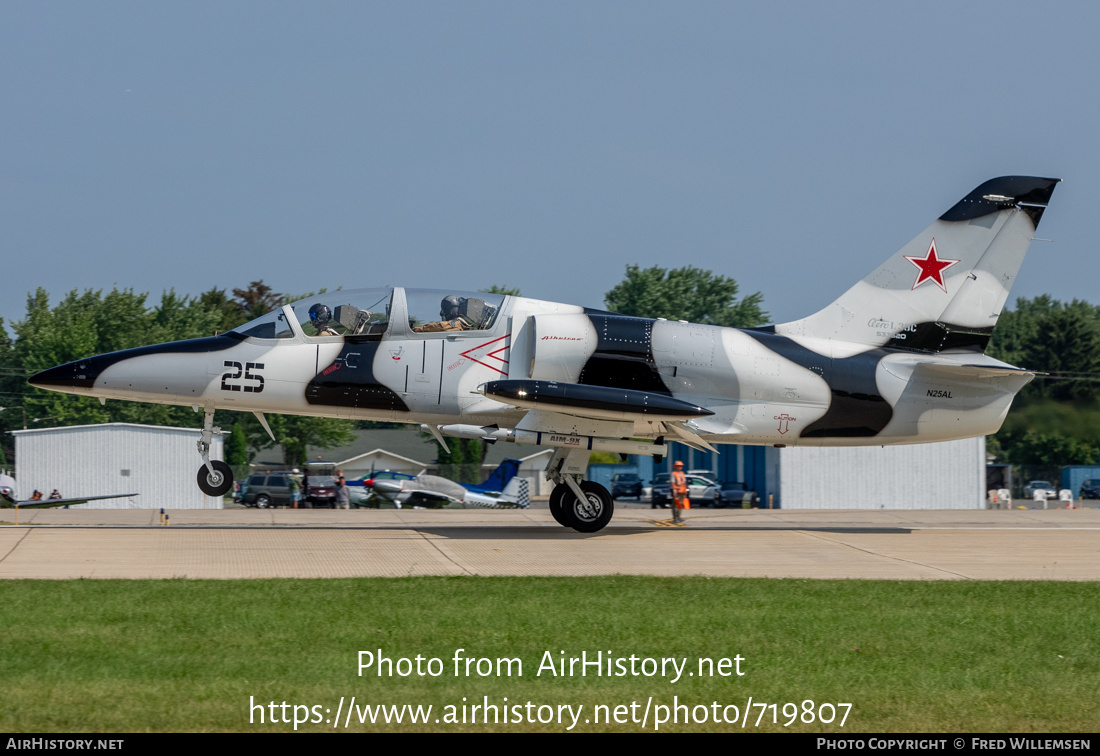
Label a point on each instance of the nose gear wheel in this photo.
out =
(218, 482)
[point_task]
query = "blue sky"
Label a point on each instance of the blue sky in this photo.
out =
(792, 146)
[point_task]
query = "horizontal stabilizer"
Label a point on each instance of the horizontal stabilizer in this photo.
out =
(975, 371)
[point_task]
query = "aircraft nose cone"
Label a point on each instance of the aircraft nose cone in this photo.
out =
(77, 374)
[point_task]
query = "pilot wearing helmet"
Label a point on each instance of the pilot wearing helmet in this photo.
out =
(319, 317)
(453, 320)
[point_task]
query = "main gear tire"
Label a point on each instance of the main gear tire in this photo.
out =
(557, 505)
(591, 515)
(218, 483)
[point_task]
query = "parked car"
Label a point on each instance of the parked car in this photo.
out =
(735, 494)
(626, 485)
(322, 492)
(661, 492)
(1090, 489)
(702, 492)
(266, 489)
(1034, 486)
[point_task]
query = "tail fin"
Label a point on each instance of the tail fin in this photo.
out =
(517, 492)
(499, 478)
(946, 288)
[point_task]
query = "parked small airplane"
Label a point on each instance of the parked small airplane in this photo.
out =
(8, 500)
(502, 489)
(898, 359)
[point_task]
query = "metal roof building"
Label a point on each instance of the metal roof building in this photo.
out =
(946, 475)
(158, 463)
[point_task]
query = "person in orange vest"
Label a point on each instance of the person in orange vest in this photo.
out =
(680, 498)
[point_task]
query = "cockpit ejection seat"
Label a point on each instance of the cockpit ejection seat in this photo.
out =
(477, 311)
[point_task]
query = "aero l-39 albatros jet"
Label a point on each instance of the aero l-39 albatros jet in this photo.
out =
(898, 359)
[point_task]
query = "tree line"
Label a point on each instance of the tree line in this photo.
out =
(1055, 420)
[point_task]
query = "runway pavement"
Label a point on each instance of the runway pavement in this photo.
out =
(250, 543)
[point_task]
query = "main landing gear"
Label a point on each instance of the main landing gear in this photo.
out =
(587, 513)
(585, 506)
(215, 477)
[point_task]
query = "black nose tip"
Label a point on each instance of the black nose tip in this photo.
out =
(78, 374)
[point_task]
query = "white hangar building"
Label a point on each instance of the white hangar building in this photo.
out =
(158, 463)
(946, 475)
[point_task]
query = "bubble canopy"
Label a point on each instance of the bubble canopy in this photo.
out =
(367, 313)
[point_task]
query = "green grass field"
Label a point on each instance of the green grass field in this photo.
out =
(183, 655)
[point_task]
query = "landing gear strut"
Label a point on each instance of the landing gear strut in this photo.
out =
(215, 477)
(575, 503)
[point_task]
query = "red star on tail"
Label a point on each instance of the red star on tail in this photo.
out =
(931, 267)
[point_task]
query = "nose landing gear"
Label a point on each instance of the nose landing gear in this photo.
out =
(215, 477)
(218, 482)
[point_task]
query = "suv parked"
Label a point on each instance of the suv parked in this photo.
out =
(626, 484)
(735, 494)
(1090, 489)
(661, 492)
(266, 489)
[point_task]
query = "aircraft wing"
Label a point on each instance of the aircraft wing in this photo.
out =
(6, 502)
